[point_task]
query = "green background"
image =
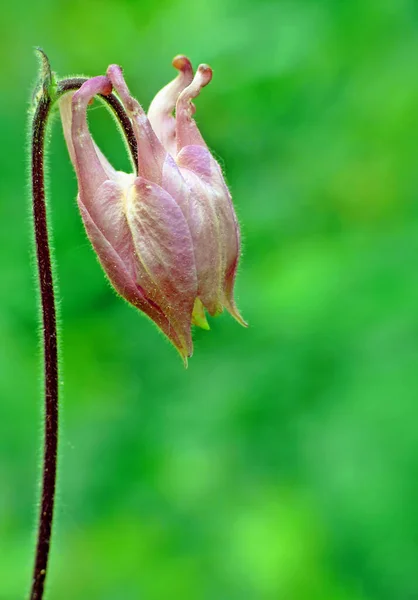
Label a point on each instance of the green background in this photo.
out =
(283, 464)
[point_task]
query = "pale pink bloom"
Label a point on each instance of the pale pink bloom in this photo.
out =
(167, 238)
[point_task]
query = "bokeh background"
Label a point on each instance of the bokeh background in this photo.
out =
(283, 463)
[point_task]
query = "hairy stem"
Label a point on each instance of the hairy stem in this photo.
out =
(46, 284)
(50, 346)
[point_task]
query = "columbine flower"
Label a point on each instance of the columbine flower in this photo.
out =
(167, 238)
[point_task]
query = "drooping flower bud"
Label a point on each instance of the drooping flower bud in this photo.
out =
(167, 238)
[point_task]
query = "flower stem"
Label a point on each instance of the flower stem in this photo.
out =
(45, 100)
(50, 345)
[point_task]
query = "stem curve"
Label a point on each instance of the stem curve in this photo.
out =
(45, 102)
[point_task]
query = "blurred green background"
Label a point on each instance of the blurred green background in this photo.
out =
(283, 464)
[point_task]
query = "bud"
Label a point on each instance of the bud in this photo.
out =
(167, 238)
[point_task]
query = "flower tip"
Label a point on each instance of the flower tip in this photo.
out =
(185, 356)
(115, 75)
(182, 63)
(114, 71)
(233, 310)
(91, 87)
(242, 322)
(235, 313)
(205, 74)
(107, 88)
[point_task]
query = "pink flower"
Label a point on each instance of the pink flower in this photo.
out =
(168, 237)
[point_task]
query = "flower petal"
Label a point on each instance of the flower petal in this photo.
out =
(204, 229)
(214, 228)
(107, 211)
(119, 266)
(174, 183)
(164, 250)
(187, 132)
(228, 294)
(154, 163)
(88, 164)
(160, 112)
(65, 106)
(151, 153)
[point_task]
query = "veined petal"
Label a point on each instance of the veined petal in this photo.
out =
(122, 275)
(160, 112)
(174, 183)
(107, 211)
(164, 250)
(204, 229)
(187, 132)
(151, 153)
(214, 227)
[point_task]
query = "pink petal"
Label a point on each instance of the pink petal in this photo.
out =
(151, 153)
(120, 266)
(214, 228)
(164, 250)
(204, 229)
(107, 212)
(65, 106)
(187, 132)
(88, 163)
(174, 183)
(211, 223)
(160, 112)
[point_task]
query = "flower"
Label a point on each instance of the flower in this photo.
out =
(167, 237)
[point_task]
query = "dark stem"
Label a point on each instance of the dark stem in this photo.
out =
(50, 346)
(46, 284)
